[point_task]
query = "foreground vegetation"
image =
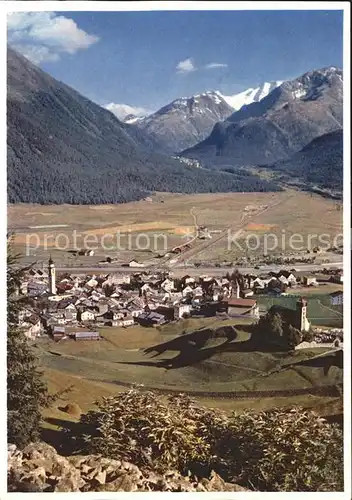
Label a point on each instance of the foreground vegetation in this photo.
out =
(275, 450)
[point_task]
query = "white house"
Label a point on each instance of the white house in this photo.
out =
(31, 327)
(87, 316)
(181, 309)
(168, 285)
(128, 321)
(92, 283)
(189, 280)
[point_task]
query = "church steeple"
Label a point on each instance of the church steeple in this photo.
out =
(52, 276)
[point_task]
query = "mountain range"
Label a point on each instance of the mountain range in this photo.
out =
(186, 121)
(63, 148)
(279, 125)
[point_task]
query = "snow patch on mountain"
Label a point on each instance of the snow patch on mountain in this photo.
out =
(250, 95)
(126, 112)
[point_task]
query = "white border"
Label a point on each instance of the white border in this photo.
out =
(12, 6)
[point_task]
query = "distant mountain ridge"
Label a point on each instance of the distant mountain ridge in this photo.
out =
(279, 125)
(186, 121)
(63, 148)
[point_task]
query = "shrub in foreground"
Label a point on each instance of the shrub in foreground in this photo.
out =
(276, 450)
(149, 430)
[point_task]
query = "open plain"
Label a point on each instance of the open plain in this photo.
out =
(146, 230)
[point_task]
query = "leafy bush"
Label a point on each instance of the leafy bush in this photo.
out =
(284, 450)
(276, 450)
(146, 429)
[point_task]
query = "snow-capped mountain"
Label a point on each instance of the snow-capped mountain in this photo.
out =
(185, 121)
(126, 112)
(280, 124)
(132, 119)
(250, 95)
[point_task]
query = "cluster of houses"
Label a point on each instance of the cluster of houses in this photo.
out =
(145, 298)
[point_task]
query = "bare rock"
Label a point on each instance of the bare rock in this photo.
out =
(122, 483)
(39, 468)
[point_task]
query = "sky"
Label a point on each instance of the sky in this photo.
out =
(147, 59)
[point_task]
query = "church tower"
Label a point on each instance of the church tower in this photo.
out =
(302, 322)
(52, 277)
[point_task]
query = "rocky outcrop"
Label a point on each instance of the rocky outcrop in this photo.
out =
(39, 468)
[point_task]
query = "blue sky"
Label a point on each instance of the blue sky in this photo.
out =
(147, 59)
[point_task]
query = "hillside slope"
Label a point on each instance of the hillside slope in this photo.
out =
(319, 163)
(63, 148)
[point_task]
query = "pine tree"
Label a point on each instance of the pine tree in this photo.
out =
(27, 393)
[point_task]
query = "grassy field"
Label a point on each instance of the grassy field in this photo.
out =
(320, 312)
(165, 220)
(203, 356)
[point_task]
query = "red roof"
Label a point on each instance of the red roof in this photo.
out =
(241, 302)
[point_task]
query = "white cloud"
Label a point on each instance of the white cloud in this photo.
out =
(44, 36)
(123, 110)
(215, 65)
(185, 66)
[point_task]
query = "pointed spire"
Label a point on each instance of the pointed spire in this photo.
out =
(50, 260)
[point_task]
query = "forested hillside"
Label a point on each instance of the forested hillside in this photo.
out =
(63, 148)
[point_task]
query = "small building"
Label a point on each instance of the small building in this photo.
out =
(180, 310)
(58, 333)
(151, 318)
(134, 263)
(240, 307)
(336, 298)
(86, 335)
(309, 281)
(31, 327)
(87, 316)
(124, 322)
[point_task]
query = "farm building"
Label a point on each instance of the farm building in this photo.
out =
(58, 333)
(86, 335)
(239, 307)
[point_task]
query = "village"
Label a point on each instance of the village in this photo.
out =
(67, 306)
